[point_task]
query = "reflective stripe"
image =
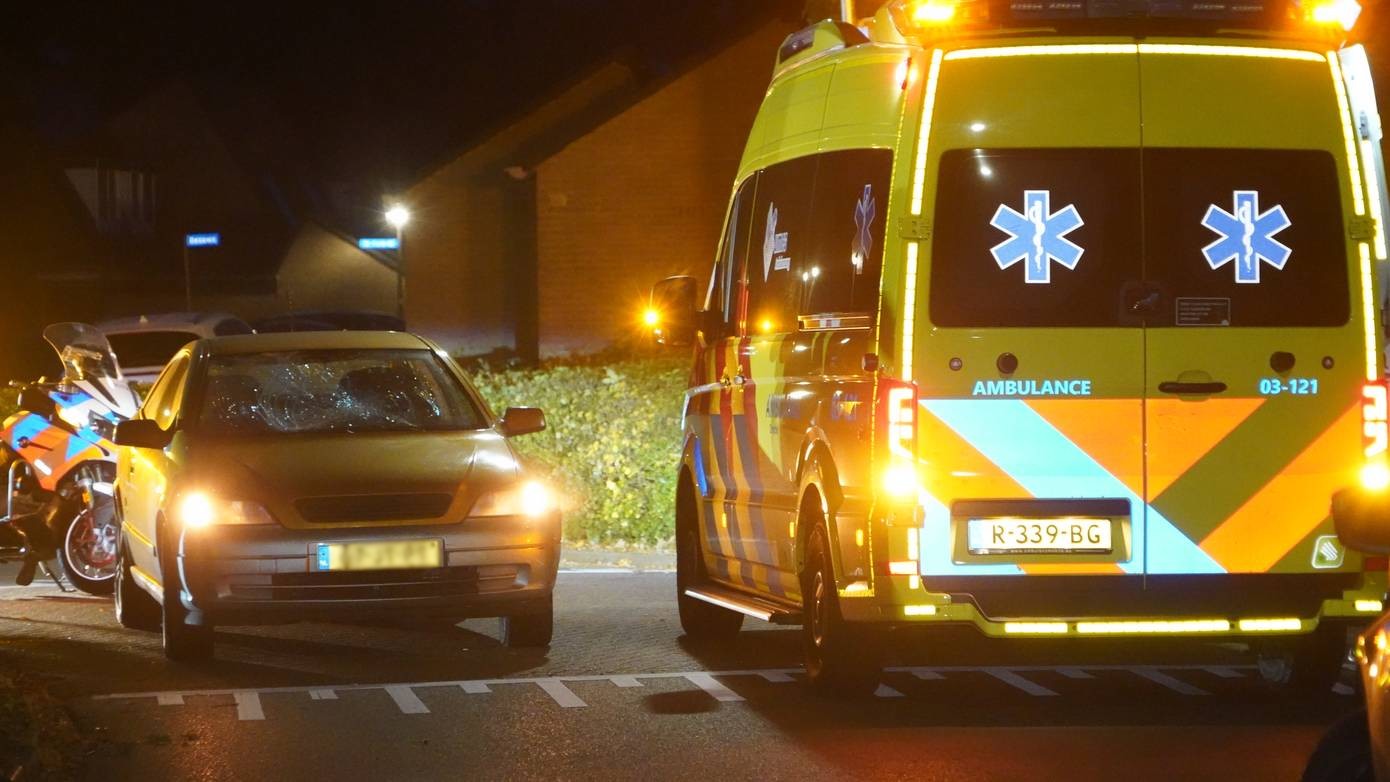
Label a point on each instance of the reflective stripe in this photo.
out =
(1041, 459)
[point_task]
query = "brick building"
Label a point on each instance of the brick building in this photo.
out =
(545, 237)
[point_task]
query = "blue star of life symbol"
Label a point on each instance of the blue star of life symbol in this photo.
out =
(1247, 237)
(864, 213)
(1038, 236)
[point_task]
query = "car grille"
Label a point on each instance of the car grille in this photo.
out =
(379, 584)
(373, 507)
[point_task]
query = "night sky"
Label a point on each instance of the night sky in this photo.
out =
(364, 94)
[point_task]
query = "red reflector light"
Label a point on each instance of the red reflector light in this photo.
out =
(1375, 419)
(1375, 564)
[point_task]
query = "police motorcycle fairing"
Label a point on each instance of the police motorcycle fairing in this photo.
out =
(60, 463)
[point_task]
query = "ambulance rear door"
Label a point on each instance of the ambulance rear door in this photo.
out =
(1255, 339)
(1030, 373)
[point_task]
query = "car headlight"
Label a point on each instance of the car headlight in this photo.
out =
(198, 509)
(531, 499)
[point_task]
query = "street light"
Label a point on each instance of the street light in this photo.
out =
(398, 216)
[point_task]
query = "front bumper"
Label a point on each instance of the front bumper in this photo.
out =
(904, 608)
(267, 575)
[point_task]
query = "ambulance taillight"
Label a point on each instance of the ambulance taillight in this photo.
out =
(900, 412)
(1375, 436)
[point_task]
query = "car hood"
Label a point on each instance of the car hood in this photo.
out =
(354, 479)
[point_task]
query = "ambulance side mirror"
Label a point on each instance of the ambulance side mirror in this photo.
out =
(1362, 520)
(673, 314)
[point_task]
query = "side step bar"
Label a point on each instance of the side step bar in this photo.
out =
(746, 604)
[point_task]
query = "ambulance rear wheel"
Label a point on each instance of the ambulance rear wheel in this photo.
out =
(841, 659)
(701, 621)
(1304, 665)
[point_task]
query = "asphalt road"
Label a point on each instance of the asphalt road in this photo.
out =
(621, 695)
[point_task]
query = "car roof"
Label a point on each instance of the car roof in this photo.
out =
(163, 321)
(310, 340)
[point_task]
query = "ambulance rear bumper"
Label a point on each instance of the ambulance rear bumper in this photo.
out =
(1357, 601)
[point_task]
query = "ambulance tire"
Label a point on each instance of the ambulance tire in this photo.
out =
(842, 660)
(1305, 665)
(701, 621)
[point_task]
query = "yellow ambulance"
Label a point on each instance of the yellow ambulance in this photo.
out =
(1054, 318)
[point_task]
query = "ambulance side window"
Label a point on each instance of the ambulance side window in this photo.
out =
(844, 255)
(732, 253)
(781, 246)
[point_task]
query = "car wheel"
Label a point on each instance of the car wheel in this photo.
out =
(1343, 754)
(701, 621)
(135, 609)
(1305, 665)
(841, 659)
(531, 629)
(183, 642)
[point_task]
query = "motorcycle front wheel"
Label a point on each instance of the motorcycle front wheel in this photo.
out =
(89, 544)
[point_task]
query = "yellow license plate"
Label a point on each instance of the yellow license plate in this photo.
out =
(381, 555)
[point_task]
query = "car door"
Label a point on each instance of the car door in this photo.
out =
(1256, 346)
(1029, 370)
(142, 473)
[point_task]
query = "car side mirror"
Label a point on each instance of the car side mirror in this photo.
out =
(1362, 520)
(142, 433)
(521, 420)
(672, 314)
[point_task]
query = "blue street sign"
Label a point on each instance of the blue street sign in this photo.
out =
(202, 240)
(379, 243)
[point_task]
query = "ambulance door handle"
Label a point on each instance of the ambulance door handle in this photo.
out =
(1195, 389)
(740, 380)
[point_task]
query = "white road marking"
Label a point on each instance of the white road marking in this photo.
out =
(248, 705)
(1224, 673)
(407, 701)
(248, 701)
(1342, 689)
(712, 686)
(1176, 685)
(884, 691)
(1009, 677)
(562, 695)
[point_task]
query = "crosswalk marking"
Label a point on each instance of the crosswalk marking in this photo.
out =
(405, 695)
(712, 686)
(248, 705)
(1176, 685)
(407, 701)
(1015, 680)
(561, 694)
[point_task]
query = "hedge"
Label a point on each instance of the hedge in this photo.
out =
(611, 447)
(612, 443)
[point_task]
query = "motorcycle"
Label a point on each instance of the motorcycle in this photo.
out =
(59, 461)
